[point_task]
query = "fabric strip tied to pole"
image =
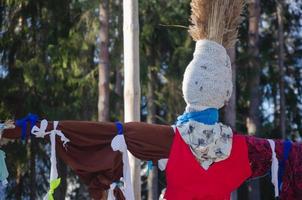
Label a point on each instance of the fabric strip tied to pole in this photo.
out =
(111, 191)
(286, 151)
(119, 144)
(274, 168)
(54, 181)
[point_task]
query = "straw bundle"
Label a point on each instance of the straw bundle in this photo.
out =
(216, 20)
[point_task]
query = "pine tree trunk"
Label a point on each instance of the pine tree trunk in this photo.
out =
(254, 66)
(276, 110)
(19, 183)
(253, 121)
(132, 93)
(119, 91)
(60, 192)
(33, 188)
(103, 101)
(118, 69)
(280, 16)
(152, 184)
(230, 109)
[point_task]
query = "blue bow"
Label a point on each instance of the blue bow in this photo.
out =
(119, 127)
(209, 116)
(22, 123)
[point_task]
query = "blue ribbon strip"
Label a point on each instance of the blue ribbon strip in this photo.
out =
(22, 123)
(149, 166)
(286, 150)
(120, 129)
(209, 117)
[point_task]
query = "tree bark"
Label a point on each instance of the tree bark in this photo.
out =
(253, 121)
(152, 184)
(132, 93)
(33, 188)
(119, 92)
(230, 108)
(60, 192)
(118, 69)
(19, 182)
(103, 86)
(103, 100)
(280, 15)
(254, 66)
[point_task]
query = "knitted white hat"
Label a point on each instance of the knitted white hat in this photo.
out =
(208, 78)
(207, 81)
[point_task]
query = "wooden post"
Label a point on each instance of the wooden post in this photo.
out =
(132, 93)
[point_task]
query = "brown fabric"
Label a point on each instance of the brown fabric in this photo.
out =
(89, 151)
(149, 141)
(90, 155)
(118, 194)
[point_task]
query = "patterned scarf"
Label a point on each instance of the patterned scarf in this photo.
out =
(208, 143)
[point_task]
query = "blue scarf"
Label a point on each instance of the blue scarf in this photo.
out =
(209, 117)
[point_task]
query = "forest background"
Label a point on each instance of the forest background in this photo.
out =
(63, 59)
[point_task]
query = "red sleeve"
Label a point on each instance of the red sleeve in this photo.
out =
(260, 160)
(260, 155)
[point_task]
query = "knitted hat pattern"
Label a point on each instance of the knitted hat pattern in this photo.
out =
(207, 81)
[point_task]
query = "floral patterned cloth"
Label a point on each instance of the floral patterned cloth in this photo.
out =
(208, 143)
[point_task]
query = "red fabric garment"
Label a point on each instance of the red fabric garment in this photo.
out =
(260, 155)
(187, 180)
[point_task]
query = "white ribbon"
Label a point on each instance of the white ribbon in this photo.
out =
(119, 144)
(162, 164)
(110, 193)
(274, 168)
(41, 133)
